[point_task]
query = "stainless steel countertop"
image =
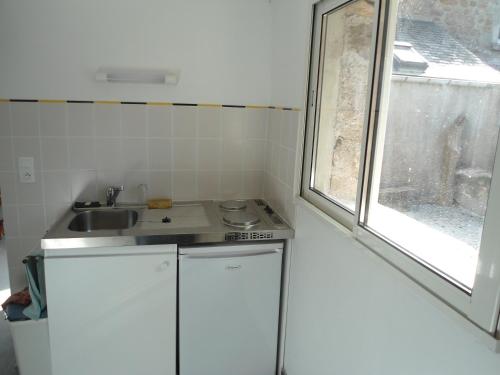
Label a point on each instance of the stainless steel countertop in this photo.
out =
(195, 222)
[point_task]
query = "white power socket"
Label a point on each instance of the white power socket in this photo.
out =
(26, 168)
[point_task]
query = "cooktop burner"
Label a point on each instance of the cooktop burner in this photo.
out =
(240, 219)
(233, 205)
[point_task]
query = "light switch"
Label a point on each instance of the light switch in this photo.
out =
(26, 166)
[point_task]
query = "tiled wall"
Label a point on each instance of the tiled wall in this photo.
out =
(280, 180)
(186, 152)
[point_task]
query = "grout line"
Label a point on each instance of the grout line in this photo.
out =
(250, 106)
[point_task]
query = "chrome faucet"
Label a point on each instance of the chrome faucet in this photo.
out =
(112, 193)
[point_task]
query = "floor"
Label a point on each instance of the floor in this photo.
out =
(7, 358)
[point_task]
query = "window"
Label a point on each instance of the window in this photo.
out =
(344, 42)
(402, 139)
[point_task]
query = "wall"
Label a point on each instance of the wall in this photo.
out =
(183, 152)
(348, 312)
(55, 46)
(420, 152)
(280, 161)
(51, 50)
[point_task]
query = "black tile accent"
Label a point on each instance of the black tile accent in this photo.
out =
(24, 100)
(143, 103)
(233, 106)
(80, 101)
(186, 104)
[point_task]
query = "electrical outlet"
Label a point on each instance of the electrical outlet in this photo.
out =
(26, 168)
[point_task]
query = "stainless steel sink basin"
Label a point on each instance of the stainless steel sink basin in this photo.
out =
(89, 221)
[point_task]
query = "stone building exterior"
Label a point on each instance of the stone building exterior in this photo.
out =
(440, 154)
(474, 23)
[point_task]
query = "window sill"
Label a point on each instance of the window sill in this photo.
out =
(491, 342)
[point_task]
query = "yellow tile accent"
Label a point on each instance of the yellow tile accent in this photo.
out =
(51, 101)
(4, 100)
(159, 103)
(257, 106)
(107, 102)
(210, 105)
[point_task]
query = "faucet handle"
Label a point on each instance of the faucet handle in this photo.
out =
(112, 189)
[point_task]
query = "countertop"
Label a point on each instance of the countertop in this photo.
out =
(194, 222)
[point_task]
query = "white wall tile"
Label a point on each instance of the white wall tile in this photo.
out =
(107, 119)
(25, 119)
(6, 151)
(256, 123)
(290, 170)
(160, 154)
(209, 122)
(184, 185)
(31, 221)
(82, 153)
(254, 155)
(11, 224)
(30, 193)
(134, 153)
(233, 123)
(5, 124)
(83, 185)
(108, 153)
(292, 131)
(134, 120)
(80, 119)
(232, 155)
(209, 183)
(159, 121)
(253, 184)
(231, 184)
(275, 160)
(54, 153)
(56, 187)
(160, 184)
(184, 154)
(184, 121)
(54, 212)
(209, 154)
(133, 191)
(27, 147)
(282, 163)
(53, 119)
(276, 118)
(8, 187)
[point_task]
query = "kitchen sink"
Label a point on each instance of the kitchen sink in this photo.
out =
(89, 221)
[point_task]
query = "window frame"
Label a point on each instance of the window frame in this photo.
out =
(482, 305)
(335, 209)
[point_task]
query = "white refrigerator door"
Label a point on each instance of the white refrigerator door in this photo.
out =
(113, 314)
(229, 310)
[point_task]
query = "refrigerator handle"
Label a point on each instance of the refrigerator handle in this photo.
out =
(234, 254)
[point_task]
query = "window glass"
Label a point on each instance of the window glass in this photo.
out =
(341, 100)
(437, 134)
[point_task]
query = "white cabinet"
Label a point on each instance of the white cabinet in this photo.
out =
(112, 310)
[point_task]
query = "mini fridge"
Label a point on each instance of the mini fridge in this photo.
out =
(229, 298)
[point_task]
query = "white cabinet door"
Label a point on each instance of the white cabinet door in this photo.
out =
(113, 314)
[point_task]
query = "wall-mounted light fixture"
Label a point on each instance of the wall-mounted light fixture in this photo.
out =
(134, 75)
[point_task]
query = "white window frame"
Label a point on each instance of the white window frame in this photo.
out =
(482, 305)
(328, 205)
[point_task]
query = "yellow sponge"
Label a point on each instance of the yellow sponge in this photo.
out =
(159, 203)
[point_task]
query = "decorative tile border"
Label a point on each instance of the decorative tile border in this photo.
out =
(206, 105)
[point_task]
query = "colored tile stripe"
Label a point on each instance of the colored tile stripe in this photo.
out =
(208, 105)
